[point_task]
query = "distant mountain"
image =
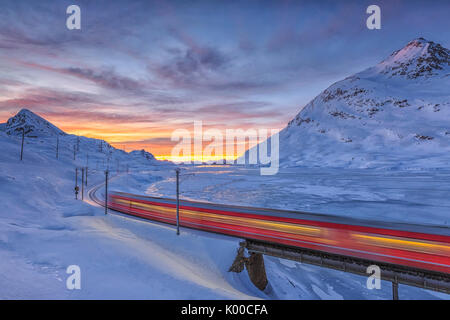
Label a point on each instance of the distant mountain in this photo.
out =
(142, 154)
(83, 147)
(395, 114)
(32, 124)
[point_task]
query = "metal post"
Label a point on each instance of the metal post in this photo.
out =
(178, 200)
(57, 147)
(76, 183)
(106, 192)
(21, 149)
(85, 181)
(395, 289)
(82, 183)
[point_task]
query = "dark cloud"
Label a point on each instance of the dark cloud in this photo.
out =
(163, 141)
(44, 98)
(242, 85)
(106, 78)
(192, 65)
(240, 106)
(207, 69)
(106, 116)
(241, 110)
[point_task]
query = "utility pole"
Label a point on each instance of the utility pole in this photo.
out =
(85, 182)
(178, 200)
(57, 146)
(107, 160)
(106, 192)
(74, 152)
(76, 184)
(21, 149)
(82, 183)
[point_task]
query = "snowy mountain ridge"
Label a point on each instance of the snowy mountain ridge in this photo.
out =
(39, 131)
(32, 124)
(419, 58)
(142, 153)
(393, 115)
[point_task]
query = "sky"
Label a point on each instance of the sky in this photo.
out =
(138, 70)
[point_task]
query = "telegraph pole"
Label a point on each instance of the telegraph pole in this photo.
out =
(21, 149)
(82, 183)
(76, 184)
(57, 146)
(178, 200)
(106, 191)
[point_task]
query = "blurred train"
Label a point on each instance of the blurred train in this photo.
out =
(418, 247)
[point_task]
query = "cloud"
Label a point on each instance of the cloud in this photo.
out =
(42, 97)
(206, 70)
(105, 116)
(192, 66)
(105, 78)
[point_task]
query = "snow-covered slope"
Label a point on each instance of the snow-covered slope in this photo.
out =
(395, 114)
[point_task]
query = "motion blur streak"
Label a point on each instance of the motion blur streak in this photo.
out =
(429, 252)
(419, 246)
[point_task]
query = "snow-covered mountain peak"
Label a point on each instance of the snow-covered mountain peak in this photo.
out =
(395, 114)
(32, 124)
(419, 58)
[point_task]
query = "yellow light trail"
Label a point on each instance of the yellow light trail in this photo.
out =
(397, 243)
(240, 221)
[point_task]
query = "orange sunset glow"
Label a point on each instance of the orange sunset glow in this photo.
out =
(153, 138)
